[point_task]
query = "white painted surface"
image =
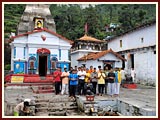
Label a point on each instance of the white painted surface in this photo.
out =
(144, 61)
(89, 63)
(109, 56)
(75, 56)
(64, 55)
(145, 64)
(50, 39)
(19, 52)
(118, 64)
(22, 39)
(133, 39)
(32, 42)
(96, 63)
(32, 50)
(55, 52)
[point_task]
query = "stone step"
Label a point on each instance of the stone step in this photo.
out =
(41, 114)
(42, 109)
(45, 87)
(62, 108)
(46, 108)
(57, 113)
(90, 102)
(45, 91)
(28, 84)
(74, 113)
(56, 99)
(59, 100)
(63, 104)
(41, 100)
(41, 103)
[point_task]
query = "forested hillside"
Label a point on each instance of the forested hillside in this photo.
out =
(70, 19)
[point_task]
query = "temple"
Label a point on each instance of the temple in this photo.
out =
(37, 48)
(83, 46)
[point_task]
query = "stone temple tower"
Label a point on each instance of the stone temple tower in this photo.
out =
(33, 11)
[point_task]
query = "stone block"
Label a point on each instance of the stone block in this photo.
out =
(147, 112)
(10, 109)
(25, 18)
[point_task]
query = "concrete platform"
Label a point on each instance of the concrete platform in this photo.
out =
(130, 102)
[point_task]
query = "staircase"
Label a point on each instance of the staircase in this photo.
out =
(43, 89)
(56, 105)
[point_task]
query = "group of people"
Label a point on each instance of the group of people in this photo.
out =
(77, 80)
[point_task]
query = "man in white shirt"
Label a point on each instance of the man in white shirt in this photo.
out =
(133, 74)
(81, 74)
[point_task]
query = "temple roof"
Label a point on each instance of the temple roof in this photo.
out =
(40, 30)
(96, 55)
(89, 38)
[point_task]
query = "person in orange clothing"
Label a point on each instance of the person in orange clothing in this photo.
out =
(91, 69)
(65, 81)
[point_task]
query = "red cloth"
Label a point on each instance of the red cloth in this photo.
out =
(57, 76)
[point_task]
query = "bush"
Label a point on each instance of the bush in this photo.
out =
(7, 67)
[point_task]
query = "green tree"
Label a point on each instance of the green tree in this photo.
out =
(7, 53)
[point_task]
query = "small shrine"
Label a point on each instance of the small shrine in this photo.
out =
(83, 46)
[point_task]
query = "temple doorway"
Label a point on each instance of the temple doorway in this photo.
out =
(108, 64)
(42, 65)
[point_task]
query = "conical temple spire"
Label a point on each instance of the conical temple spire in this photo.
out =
(35, 10)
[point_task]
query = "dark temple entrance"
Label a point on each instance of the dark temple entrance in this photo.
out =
(42, 65)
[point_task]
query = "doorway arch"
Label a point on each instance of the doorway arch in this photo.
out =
(43, 61)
